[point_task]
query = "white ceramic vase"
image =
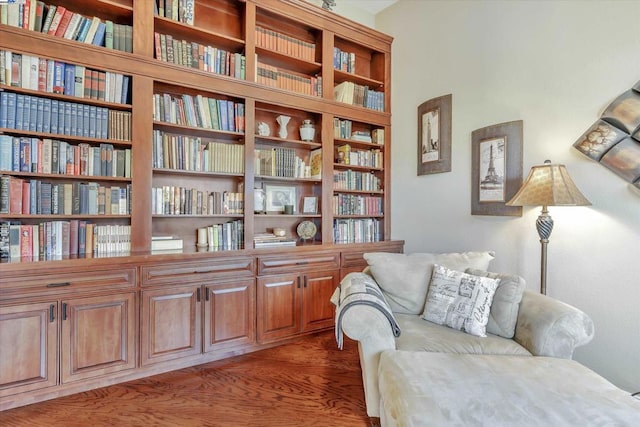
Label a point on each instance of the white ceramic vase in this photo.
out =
(282, 121)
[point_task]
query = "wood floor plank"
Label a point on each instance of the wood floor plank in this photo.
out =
(306, 383)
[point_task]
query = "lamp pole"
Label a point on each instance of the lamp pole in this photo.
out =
(544, 225)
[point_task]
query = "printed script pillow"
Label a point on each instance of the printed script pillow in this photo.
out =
(404, 279)
(506, 302)
(459, 300)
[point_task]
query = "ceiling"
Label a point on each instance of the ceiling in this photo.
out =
(371, 6)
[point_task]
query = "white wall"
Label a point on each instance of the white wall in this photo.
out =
(555, 65)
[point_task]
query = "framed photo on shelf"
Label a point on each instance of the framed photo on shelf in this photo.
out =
(310, 205)
(434, 135)
(496, 170)
(279, 196)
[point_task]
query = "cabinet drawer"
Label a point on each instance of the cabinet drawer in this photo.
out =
(66, 281)
(196, 271)
(356, 258)
(294, 263)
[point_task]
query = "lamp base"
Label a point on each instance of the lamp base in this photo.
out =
(544, 225)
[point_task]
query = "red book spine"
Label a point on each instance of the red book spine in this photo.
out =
(64, 23)
(26, 197)
(26, 244)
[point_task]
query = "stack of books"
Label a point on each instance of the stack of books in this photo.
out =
(270, 240)
(166, 243)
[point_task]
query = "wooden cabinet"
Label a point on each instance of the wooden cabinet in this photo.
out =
(98, 336)
(196, 307)
(28, 347)
(298, 302)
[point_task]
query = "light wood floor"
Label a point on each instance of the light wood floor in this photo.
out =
(307, 383)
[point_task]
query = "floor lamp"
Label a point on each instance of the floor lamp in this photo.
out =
(547, 185)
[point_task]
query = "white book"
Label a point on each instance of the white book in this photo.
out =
(95, 21)
(25, 71)
(79, 81)
(72, 29)
(33, 72)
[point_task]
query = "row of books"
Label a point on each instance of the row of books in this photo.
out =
(270, 240)
(58, 21)
(347, 156)
(365, 230)
(344, 61)
(174, 200)
(199, 111)
(182, 152)
(178, 10)
(270, 75)
(55, 240)
(353, 204)
(195, 55)
(282, 162)
(166, 243)
(47, 156)
(287, 45)
(228, 236)
(50, 76)
(355, 94)
(36, 197)
(356, 180)
(37, 114)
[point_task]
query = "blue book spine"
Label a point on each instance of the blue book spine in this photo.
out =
(74, 119)
(224, 119)
(67, 118)
(58, 77)
(69, 79)
(105, 123)
(25, 155)
(33, 113)
(15, 150)
(98, 38)
(5, 152)
(46, 116)
(93, 111)
(231, 117)
(4, 109)
(33, 193)
(39, 125)
(12, 100)
(54, 116)
(98, 122)
(61, 116)
(125, 90)
(86, 117)
(19, 115)
(26, 112)
(84, 29)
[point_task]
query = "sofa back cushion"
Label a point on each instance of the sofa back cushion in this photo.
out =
(404, 279)
(506, 302)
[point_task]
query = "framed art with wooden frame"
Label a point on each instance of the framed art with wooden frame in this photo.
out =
(496, 156)
(434, 135)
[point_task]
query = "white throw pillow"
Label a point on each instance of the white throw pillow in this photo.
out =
(404, 279)
(506, 302)
(459, 300)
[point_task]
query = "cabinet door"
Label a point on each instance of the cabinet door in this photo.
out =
(278, 306)
(317, 310)
(28, 347)
(229, 315)
(171, 323)
(98, 336)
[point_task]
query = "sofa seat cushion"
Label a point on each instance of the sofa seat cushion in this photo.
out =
(422, 335)
(437, 389)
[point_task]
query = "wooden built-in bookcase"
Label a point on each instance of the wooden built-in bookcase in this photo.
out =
(161, 139)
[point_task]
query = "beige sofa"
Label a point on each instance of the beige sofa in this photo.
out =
(522, 322)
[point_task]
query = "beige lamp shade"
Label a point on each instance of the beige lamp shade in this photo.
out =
(548, 185)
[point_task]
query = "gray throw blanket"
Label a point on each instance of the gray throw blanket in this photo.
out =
(355, 289)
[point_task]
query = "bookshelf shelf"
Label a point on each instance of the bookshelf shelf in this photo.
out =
(373, 192)
(99, 178)
(294, 143)
(342, 166)
(197, 34)
(341, 76)
(288, 62)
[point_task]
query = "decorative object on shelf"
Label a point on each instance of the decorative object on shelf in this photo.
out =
(434, 135)
(614, 140)
(310, 205)
(288, 209)
(307, 131)
(496, 166)
(277, 196)
(202, 237)
(547, 185)
(258, 200)
(263, 129)
(307, 230)
(283, 121)
(328, 4)
(279, 232)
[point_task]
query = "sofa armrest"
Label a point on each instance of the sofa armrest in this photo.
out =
(548, 327)
(370, 327)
